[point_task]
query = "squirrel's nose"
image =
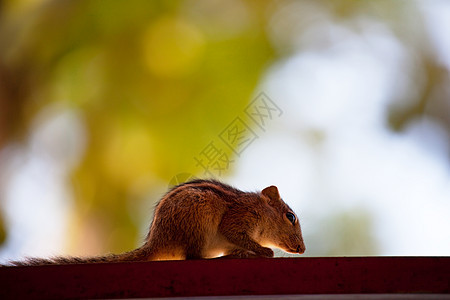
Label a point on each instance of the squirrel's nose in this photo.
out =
(301, 249)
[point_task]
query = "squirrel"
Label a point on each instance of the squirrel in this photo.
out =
(203, 219)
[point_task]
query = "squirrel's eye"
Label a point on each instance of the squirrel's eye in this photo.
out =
(291, 217)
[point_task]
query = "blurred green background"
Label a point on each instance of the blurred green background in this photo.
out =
(113, 99)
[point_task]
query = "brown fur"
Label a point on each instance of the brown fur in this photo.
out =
(207, 219)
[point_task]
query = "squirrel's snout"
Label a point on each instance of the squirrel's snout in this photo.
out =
(301, 248)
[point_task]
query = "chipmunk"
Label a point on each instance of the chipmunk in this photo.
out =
(207, 219)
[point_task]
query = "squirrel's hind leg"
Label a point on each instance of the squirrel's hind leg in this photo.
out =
(195, 248)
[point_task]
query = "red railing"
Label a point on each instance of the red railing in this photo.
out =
(221, 277)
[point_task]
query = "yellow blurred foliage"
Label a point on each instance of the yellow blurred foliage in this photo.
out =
(172, 47)
(128, 154)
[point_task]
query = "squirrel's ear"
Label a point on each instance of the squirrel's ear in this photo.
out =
(271, 192)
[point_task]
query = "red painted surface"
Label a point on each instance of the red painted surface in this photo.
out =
(363, 275)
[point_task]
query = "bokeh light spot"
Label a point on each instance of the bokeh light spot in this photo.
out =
(172, 47)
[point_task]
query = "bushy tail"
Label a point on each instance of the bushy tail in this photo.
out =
(141, 254)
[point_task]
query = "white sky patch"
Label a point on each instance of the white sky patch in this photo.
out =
(36, 209)
(38, 198)
(437, 17)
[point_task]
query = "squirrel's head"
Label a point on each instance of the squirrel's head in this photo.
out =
(285, 232)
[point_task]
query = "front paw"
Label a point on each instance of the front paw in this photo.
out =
(266, 252)
(240, 253)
